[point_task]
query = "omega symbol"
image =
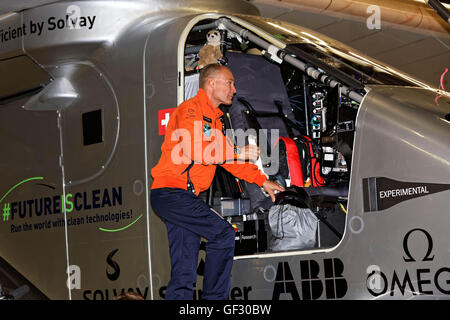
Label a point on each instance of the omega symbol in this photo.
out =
(427, 257)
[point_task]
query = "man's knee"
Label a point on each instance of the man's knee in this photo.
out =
(225, 239)
(230, 235)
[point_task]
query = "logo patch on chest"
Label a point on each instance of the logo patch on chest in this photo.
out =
(207, 130)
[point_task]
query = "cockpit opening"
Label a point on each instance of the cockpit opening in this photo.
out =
(298, 101)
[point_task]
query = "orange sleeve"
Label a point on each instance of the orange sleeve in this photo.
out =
(246, 171)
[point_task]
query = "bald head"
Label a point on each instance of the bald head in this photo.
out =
(210, 71)
(218, 83)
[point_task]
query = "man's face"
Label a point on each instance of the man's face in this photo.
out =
(223, 87)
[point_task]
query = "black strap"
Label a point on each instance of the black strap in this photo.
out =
(253, 123)
(223, 125)
(285, 119)
(190, 185)
(189, 167)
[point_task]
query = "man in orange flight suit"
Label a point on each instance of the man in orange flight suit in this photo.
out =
(194, 144)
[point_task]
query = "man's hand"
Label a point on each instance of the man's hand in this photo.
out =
(249, 152)
(272, 186)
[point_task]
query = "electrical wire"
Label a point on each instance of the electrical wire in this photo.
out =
(342, 207)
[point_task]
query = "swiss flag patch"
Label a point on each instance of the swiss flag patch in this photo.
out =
(163, 119)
